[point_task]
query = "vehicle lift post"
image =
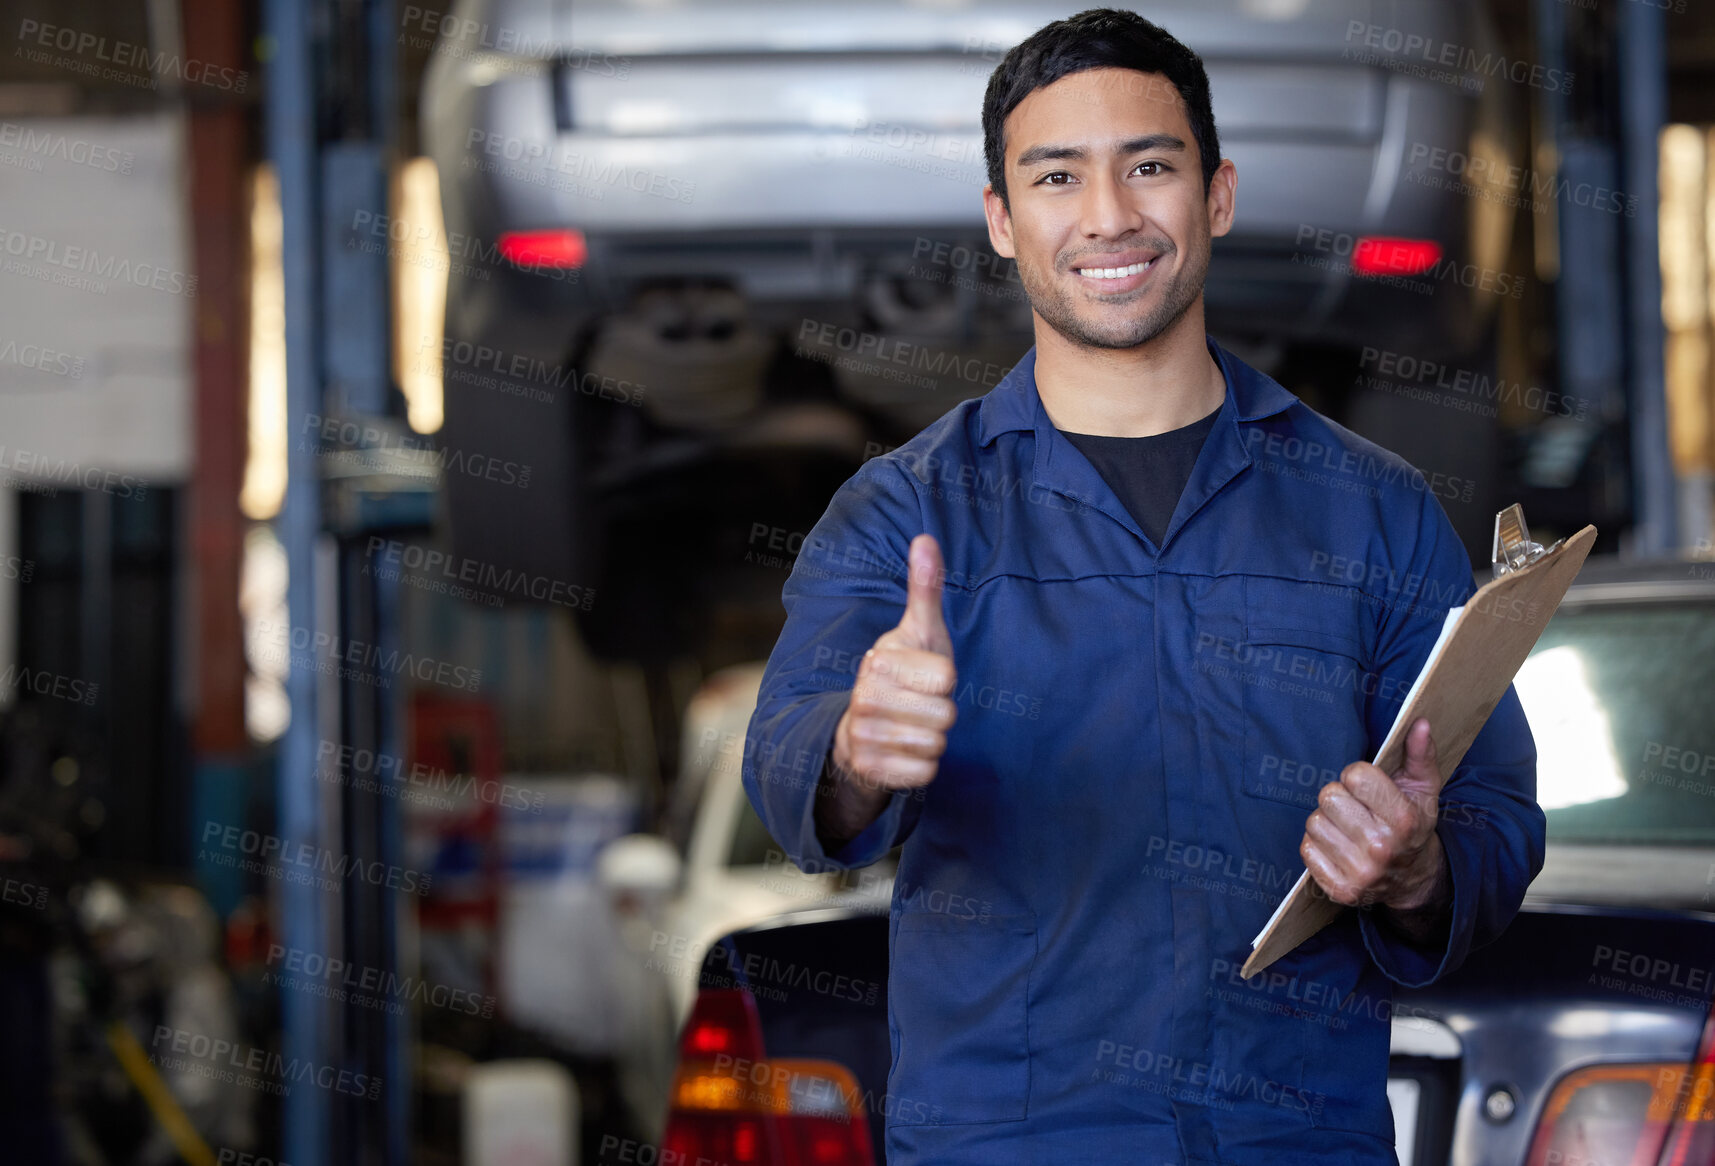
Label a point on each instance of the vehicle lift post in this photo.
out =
(330, 86)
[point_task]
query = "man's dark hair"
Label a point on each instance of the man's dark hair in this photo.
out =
(1100, 38)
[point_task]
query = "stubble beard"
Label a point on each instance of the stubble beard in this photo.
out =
(1055, 302)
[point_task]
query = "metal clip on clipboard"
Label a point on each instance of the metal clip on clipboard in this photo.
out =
(1513, 548)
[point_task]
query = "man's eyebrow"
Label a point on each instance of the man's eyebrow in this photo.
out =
(1050, 153)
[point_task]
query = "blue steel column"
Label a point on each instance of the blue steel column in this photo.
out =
(291, 138)
(1590, 303)
(1643, 111)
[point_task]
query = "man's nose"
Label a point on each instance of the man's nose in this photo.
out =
(1109, 210)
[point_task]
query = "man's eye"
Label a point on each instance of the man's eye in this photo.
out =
(1157, 167)
(1052, 175)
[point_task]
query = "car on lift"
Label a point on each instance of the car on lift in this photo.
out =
(1581, 1036)
(725, 251)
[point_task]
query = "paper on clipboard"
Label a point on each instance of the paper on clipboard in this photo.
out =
(1480, 649)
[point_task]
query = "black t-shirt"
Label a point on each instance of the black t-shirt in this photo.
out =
(1147, 473)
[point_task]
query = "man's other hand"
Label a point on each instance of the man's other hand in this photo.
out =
(1372, 839)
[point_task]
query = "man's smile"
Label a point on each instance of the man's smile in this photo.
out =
(1116, 273)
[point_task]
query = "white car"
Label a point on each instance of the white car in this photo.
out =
(731, 875)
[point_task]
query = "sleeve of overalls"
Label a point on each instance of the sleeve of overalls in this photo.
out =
(1490, 825)
(847, 587)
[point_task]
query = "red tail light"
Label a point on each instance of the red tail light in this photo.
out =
(1395, 256)
(723, 1020)
(730, 1104)
(1650, 1114)
(544, 248)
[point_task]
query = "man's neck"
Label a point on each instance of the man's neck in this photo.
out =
(1166, 384)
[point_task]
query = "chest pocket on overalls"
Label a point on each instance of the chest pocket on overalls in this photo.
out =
(1305, 656)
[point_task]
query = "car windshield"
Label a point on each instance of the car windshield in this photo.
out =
(1621, 701)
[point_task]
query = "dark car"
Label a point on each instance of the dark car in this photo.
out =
(1580, 1038)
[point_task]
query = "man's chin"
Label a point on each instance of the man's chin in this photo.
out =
(1133, 330)
(1120, 321)
(1107, 333)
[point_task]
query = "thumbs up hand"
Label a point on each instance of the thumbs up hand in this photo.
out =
(894, 731)
(1372, 838)
(923, 626)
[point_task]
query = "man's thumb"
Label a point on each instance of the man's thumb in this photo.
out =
(1421, 766)
(923, 619)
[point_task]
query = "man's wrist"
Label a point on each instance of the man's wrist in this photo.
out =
(1424, 912)
(846, 804)
(1432, 887)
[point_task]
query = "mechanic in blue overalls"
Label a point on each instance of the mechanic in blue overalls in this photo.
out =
(1105, 650)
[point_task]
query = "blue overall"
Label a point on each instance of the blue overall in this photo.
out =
(1142, 731)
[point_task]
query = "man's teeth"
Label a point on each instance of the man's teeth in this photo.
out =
(1114, 272)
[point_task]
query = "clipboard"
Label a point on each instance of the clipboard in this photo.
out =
(1481, 648)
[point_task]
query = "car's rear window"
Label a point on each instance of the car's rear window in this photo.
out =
(1621, 702)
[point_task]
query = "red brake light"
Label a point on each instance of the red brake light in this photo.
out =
(1395, 256)
(730, 1104)
(564, 248)
(723, 1021)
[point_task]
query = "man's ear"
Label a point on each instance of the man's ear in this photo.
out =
(1000, 223)
(1223, 194)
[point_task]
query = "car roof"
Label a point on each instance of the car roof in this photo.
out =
(1611, 579)
(1619, 569)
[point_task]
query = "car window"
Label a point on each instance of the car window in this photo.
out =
(751, 844)
(1621, 702)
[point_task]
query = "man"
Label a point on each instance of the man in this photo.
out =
(1092, 649)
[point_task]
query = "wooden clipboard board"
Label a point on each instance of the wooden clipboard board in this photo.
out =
(1481, 649)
